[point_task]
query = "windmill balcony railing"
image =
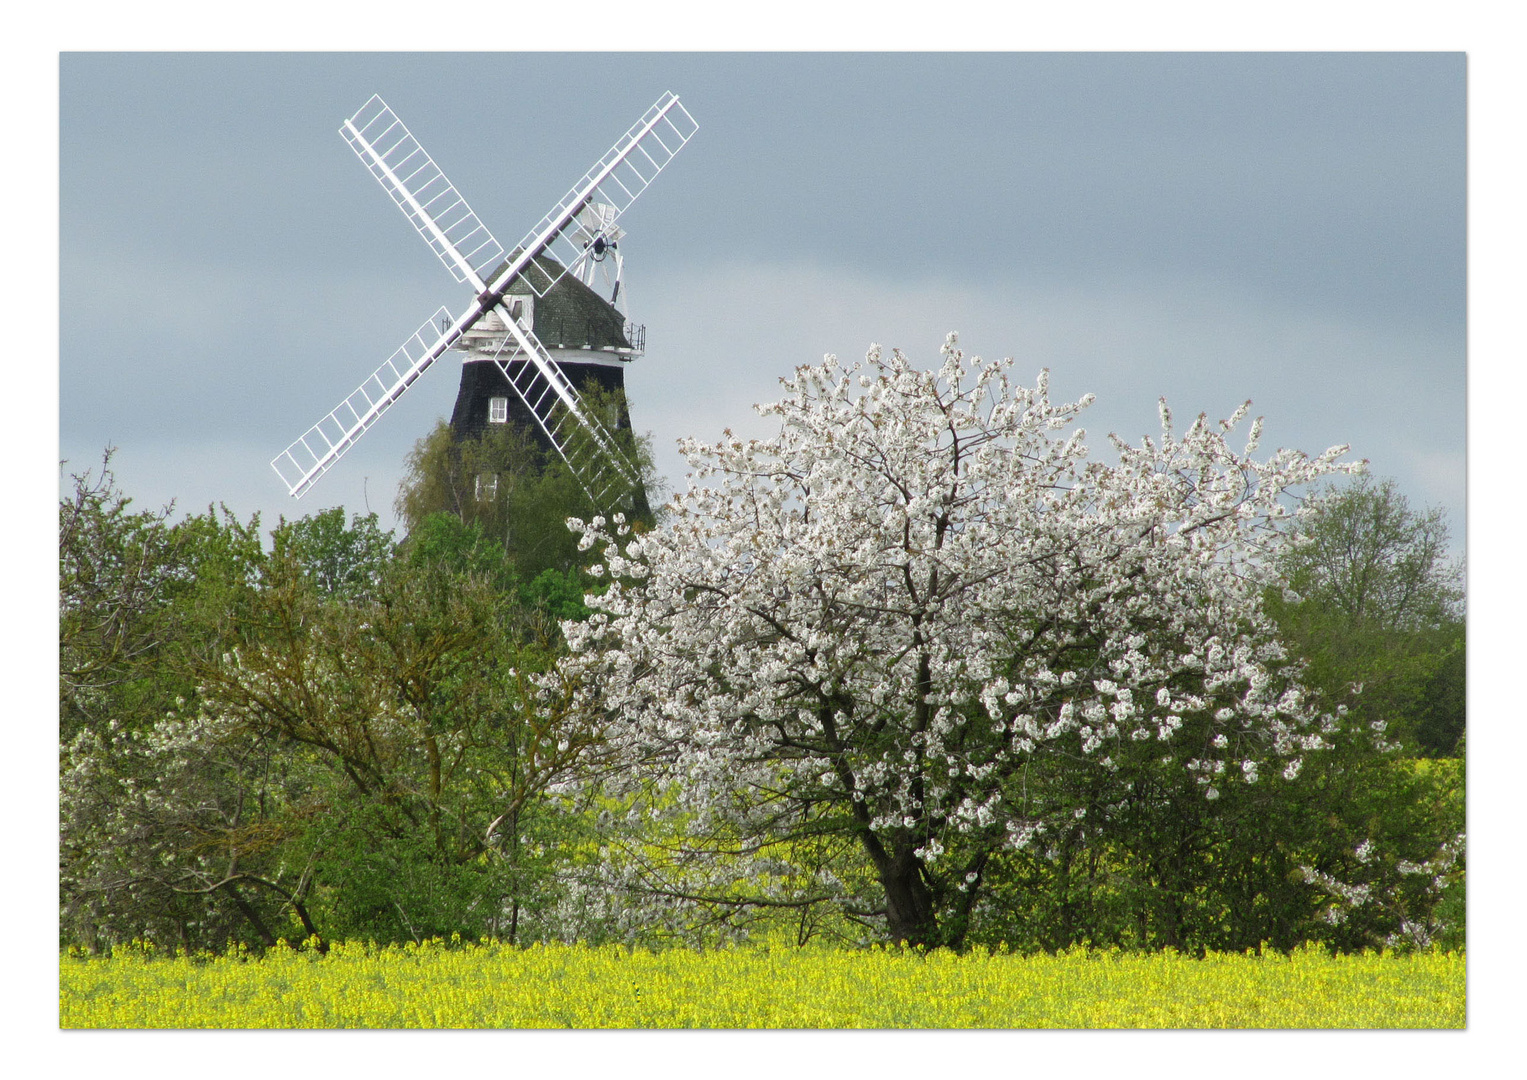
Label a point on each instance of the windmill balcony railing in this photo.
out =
(591, 334)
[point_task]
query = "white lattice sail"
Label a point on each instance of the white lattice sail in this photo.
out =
(431, 202)
(318, 448)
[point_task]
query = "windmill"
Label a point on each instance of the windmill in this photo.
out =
(561, 255)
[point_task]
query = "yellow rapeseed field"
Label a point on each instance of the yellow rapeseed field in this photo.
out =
(440, 985)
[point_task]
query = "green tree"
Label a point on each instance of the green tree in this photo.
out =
(163, 823)
(443, 540)
(117, 570)
(431, 753)
(1379, 605)
(342, 562)
(518, 493)
(143, 600)
(337, 736)
(501, 483)
(180, 832)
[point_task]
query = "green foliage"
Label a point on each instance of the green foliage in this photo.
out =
(516, 493)
(175, 833)
(220, 563)
(1379, 606)
(1373, 560)
(341, 562)
(117, 571)
(413, 705)
(339, 736)
(142, 600)
(504, 485)
(559, 593)
(1438, 719)
(1235, 880)
(442, 541)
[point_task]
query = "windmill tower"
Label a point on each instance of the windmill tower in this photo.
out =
(542, 286)
(587, 334)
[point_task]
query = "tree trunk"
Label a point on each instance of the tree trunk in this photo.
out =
(250, 914)
(908, 904)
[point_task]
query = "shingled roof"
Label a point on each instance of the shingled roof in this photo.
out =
(571, 315)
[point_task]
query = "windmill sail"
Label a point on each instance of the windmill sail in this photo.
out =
(439, 213)
(318, 448)
(431, 202)
(614, 182)
(586, 445)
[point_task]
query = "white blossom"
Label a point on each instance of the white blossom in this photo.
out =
(825, 612)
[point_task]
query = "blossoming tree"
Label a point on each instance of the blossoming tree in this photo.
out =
(898, 621)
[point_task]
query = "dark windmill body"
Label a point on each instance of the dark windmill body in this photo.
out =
(589, 339)
(543, 349)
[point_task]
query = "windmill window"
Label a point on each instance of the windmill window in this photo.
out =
(486, 488)
(498, 410)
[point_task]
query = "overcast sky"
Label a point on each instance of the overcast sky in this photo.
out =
(1282, 227)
